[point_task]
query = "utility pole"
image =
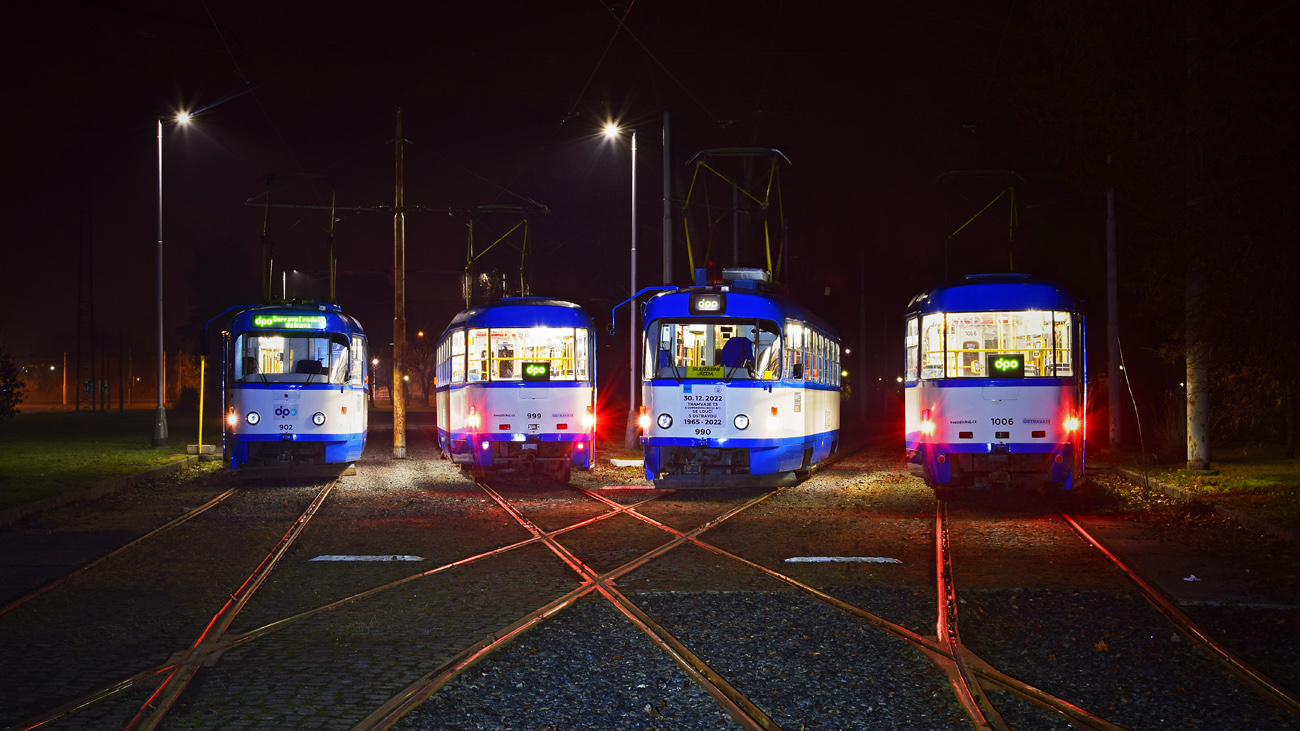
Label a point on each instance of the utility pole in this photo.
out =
(1112, 323)
(399, 307)
(629, 431)
(668, 216)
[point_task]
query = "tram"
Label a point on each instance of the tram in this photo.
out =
(741, 386)
(517, 387)
(996, 384)
(296, 385)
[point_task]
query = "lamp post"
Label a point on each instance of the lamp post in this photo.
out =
(160, 415)
(629, 434)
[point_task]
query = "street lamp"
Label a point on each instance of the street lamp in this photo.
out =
(160, 415)
(629, 433)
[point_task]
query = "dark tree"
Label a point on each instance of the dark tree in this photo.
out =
(12, 387)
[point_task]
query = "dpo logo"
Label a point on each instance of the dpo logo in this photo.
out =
(535, 369)
(283, 411)
(1006, 364)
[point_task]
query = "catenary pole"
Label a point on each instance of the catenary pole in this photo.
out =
(397, 389)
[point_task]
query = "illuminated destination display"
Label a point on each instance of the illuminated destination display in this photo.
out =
(290, 322)
(537, 371)
(708, 304)
(1006, 365)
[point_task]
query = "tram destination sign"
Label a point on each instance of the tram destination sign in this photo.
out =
(289, 322)
(708, 304)
(1006, 365)
(536, 370)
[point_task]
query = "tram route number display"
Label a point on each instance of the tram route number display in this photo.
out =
(703, 408)
(1006, 365)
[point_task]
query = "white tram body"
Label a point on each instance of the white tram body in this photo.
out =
(996, 383)
(517, 386)
(741, 386)
(296, 385)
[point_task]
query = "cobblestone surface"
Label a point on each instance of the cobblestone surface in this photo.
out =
(1033, 602)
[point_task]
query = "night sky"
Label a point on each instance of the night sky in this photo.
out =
(502, 104)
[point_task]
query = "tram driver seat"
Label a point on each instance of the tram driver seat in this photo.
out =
(310, 367)
(737, 352)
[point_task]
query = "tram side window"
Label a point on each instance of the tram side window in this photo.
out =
(911, 348)
(458, 356)
(478, 355)
(1062, 343)
(794, 350)
(582, 352)
(357, 376)
(932, 346)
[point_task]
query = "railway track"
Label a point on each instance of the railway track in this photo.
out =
(970, 676)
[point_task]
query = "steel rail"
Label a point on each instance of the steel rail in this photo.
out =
(89, 699)
(933, 649)
(160, 529)
(229, 641)
(412, 696)
(969, 692)
(736, 704)
(233, 640)
(1271, 689)
(162, 699)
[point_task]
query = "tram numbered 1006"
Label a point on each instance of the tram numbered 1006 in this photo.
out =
(295, 389)
(995, 373)
(741, 386)
(517, 387)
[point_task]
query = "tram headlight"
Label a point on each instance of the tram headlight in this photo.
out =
(1072, 423)
(471, 419)
(665, 421)
(643, 420)
(589, 421)
(318, 418)
(252, 418)
(741, 421)
(927, 426)
(232, 419)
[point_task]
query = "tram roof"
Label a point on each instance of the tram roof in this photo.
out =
(335, 321)
(989, 292)
(522, 312)
(742, 301)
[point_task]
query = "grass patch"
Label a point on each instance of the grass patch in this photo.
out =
(45, 453)
(1260, 481)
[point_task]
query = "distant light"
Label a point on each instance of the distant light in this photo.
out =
(844, 374)
(611, 130)
(847, 351)
(1181, 385)
(51, 367)
(406, 378)
(374, 362)
(900, 379)
(419, 334)
(183, 117)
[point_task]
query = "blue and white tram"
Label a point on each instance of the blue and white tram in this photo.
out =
(741, 386)
(296, 381)
(517, 386)
(996, 383)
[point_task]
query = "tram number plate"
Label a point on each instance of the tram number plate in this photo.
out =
(703, 406)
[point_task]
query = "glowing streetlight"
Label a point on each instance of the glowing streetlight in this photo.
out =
(629, 435)
(160, 416)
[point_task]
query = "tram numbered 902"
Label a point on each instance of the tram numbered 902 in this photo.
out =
(996, 383)
(741, 386)
(296, 384)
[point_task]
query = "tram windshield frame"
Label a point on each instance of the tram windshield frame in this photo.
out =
(960, 345)
(481, 354)
(692, 348)
(293, 356)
